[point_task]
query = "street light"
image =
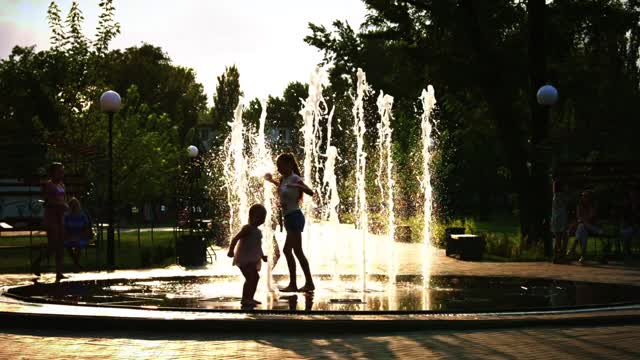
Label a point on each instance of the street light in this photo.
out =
(547, 95)
(192, 151)
(110, 103)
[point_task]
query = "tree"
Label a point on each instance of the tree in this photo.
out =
(58, 36)
(107, 28)
(50, 97)
(165, 87)
(147, 150)
(283, 114)
(225, 102)
(484, 59)
(77, 42)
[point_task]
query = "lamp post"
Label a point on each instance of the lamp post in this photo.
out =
(110, 103)
(192, 151)
(546, 96)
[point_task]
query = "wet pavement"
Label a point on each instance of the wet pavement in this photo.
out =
(445, 293)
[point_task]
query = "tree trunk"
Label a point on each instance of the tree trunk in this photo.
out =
(539, 125)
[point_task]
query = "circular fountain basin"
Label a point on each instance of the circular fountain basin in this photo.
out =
(445, 294)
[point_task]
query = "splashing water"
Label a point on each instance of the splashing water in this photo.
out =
(263, 165)
(331, 196)
(236, 176)
(332, 199)
(248, 158)
(331, 185)
(385, 176)
(313, 111)
(428, 101)
(361, 208)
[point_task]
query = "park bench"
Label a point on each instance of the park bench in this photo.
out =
(465, 246)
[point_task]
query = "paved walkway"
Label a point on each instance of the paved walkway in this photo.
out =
(542, 343)
(408, 264)
(561, 342)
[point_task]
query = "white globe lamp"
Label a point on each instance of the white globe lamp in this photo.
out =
(192, 151)
(547, 95)
(110, 101)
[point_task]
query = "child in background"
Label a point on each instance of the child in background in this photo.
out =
(249, 253)
(78, 230)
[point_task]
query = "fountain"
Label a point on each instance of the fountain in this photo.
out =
(236, 167)
(243, 175)
(321, 211)
(263, 165)
(361, 210)
(313, 112)
(348, 277)
(332, 198)
(385, 176)
(428, 101)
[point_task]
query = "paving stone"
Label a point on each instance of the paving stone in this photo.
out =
(619, 342)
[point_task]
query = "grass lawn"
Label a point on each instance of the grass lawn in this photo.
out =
(149, 251)
(502, 236)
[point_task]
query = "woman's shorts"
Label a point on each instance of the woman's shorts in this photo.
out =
(294, 221)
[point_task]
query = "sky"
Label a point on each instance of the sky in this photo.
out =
(263, 38)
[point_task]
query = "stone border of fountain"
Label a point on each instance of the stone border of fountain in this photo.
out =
(17, 314)
(21, 293)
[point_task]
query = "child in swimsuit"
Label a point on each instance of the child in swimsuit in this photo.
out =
(248, 254)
